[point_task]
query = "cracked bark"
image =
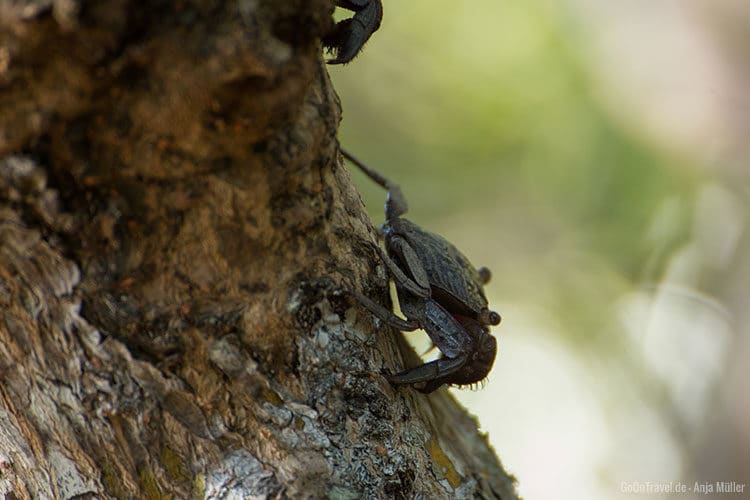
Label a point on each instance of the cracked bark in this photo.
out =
(176, 230)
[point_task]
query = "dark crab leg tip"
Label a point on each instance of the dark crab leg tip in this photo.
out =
(344, 55)
(350, 35)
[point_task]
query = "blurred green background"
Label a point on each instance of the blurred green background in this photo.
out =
(596, 160)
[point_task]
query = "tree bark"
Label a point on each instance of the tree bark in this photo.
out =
(177, 235)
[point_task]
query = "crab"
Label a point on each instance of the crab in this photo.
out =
(348, 37)
(438, 290)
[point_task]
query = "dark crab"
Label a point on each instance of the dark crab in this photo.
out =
(348, 36)
(440, 291)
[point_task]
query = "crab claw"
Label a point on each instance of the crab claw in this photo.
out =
(348, 36)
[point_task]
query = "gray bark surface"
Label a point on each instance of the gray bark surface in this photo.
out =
(176, 235)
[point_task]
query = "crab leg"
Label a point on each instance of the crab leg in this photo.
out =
(445, 332)
(349, 35)
(386, 315)
(428, 372)
(420, 284)
(420, 288)
(396, 204)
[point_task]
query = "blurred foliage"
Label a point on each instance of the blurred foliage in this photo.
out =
(603, 238)
(486, 114)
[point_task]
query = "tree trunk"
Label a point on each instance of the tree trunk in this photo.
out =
(176, 236)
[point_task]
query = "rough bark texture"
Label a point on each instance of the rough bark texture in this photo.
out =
(176, 231)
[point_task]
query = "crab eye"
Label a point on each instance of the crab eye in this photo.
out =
(494, 318)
